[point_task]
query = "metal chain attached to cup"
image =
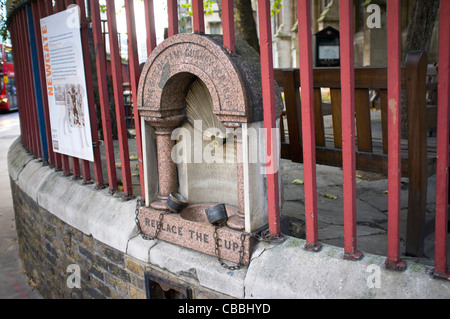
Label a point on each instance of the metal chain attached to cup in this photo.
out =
(158, 224)
(217, 216)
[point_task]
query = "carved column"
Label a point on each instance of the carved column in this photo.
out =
(238, 221)
(167, 169)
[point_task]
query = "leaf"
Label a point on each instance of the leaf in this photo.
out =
(133, 158)
(330, 196)
(118, 165)
(297, 182)
(385, 192)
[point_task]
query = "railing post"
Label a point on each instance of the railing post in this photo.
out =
(103, 95)
(348, 128)
(173, 17)
(57, 156)
(442, 166)
(150, 25)
(309, 143)
(37, 151)
(228, 25)
(59, 6)
(394, 119)
(133, 63)
(268, 92)
(49, 8)
(41, 14)
(35, 64)
(199, 16)
(91, 103)
(118, 98)
(15, 39)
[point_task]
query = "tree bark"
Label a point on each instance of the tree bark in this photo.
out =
(421, 25)
(420, 30)
(244, 22)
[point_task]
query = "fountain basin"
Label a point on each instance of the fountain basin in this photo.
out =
(191, 229)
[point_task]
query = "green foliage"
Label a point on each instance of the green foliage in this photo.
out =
(3, 27)
(207, 6)
(276, 6)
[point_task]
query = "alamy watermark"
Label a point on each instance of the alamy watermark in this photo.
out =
(374, 277)
(74, 279)
(374, 19)
(208, 146)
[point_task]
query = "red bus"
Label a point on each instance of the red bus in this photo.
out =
(8, 95)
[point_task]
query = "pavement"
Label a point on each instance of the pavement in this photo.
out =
(371, 211)
(14, 283)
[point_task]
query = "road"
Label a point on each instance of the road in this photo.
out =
(13, 280)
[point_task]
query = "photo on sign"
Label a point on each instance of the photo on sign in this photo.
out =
(74, 105)
(60, 94)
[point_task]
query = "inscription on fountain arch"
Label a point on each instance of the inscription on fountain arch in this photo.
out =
(212, 67)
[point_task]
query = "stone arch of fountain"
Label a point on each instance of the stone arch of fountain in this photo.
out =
(231, 84)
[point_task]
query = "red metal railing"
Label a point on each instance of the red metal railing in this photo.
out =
(173, 17)
(103, 94)
(118, 96)
(348, 127)
(442, 144)
(394, 119)
(31, 138)
(309, 143)
(267, 80)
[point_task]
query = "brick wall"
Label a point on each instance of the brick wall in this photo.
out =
(48, 246)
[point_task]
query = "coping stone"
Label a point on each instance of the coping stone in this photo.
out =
(282, 270)
(91, 211)
(17, 159)
(288, 271)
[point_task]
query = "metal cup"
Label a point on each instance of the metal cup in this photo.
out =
(176, 203)
(217, 214)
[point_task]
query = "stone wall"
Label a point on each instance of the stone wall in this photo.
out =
(63, 223)
(49, 247)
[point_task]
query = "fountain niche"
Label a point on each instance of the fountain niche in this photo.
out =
(203, 141)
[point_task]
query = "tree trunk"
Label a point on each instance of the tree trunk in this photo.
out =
(244, 22)
(420, 30)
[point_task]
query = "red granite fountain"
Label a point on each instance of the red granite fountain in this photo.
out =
(231, 84)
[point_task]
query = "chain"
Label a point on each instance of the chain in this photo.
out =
(264, 236)
(217, 251)
(139, 204)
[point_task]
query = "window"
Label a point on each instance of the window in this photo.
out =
(214, 28)
(8, 56)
